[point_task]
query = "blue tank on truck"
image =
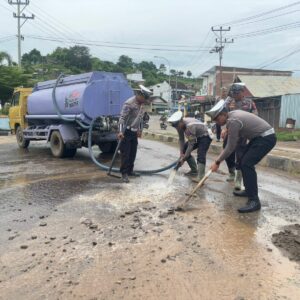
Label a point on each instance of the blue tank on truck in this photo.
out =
(78, 100)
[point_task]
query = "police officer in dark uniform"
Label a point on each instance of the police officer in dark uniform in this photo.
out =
(198, 137)
(262, 139)
(130, 128)
(237, 100)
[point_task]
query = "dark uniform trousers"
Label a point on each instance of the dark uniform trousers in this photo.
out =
(233, 161)
(218, 131)
(128, 149)
(255, 151)
(202, 145)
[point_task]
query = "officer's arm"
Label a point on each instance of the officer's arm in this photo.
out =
(192, 139)
(181, 140)
(124, 117)
(191, 143)
(254, 108)
(233, 137)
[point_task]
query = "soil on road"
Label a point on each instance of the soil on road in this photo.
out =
(68, 231)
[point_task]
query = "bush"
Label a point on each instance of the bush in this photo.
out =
(287, 136)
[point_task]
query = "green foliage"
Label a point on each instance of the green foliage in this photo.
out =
(288, 135)
(34, 57)
(11, 77)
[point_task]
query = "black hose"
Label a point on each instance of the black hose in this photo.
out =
(104, 167)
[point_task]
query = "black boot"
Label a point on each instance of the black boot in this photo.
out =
(125, 178)
(240, 193)
(253, 204)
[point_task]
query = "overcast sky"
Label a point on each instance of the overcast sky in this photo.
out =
(162, 24)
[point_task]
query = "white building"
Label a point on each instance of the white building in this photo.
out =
(135, 77)
(162, 90)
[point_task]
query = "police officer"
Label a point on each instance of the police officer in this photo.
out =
(237, 100)
(261, 138)
(197, 136)
(130, 128)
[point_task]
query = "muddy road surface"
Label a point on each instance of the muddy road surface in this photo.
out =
(67, 231)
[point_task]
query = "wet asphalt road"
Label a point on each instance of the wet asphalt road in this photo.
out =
(67, 231)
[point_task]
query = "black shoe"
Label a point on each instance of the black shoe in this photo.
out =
(125, 178)
(252, 205)
(134, 174)
(240, 193)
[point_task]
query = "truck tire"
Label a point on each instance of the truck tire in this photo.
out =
(58, 148)
(70, 152)
(108, 147)
(22, 143)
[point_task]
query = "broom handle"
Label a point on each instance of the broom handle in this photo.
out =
(198, 185)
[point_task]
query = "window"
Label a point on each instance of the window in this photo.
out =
(15, 99)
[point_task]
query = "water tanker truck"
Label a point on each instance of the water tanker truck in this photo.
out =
(60, 112)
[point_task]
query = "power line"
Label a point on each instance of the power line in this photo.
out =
(262, 14)
(268, 30)
(273, 17)
(121, 43)
(6, 8)
(281, 58)
(7, 39)
(93, 43)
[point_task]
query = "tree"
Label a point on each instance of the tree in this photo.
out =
(173, 72)
(79, 57)
(162, 68)
(34, 57)
(188, 74)
(180, 73)
(4, 56)
(11, 77)
(125, 62)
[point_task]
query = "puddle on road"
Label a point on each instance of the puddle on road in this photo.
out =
(154, 189)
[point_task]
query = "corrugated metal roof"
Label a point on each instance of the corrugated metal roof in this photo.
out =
(268, 86)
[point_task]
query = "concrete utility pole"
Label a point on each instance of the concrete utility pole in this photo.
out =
(18, 15)
(220, 48)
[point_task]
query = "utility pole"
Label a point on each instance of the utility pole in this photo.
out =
(21, 5)
(220, 47)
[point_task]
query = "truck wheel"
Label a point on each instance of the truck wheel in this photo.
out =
(22, 143)
(108, 147)
(57, 145)
(70, 152)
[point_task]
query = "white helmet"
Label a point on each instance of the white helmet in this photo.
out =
(176, 117)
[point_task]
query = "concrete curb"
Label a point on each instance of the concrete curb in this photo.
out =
(272, 160)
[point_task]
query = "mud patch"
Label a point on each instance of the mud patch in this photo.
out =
(288, 241)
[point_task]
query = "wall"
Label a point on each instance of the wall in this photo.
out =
(269, 110)
(290, 108)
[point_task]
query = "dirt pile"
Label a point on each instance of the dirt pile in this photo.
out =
(288, 241)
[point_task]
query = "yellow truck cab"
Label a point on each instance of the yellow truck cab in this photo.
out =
(17, 113)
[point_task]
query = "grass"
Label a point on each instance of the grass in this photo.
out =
(286, 136)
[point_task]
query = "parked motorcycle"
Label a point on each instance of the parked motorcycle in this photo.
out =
(145, 125)
(163, 125)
